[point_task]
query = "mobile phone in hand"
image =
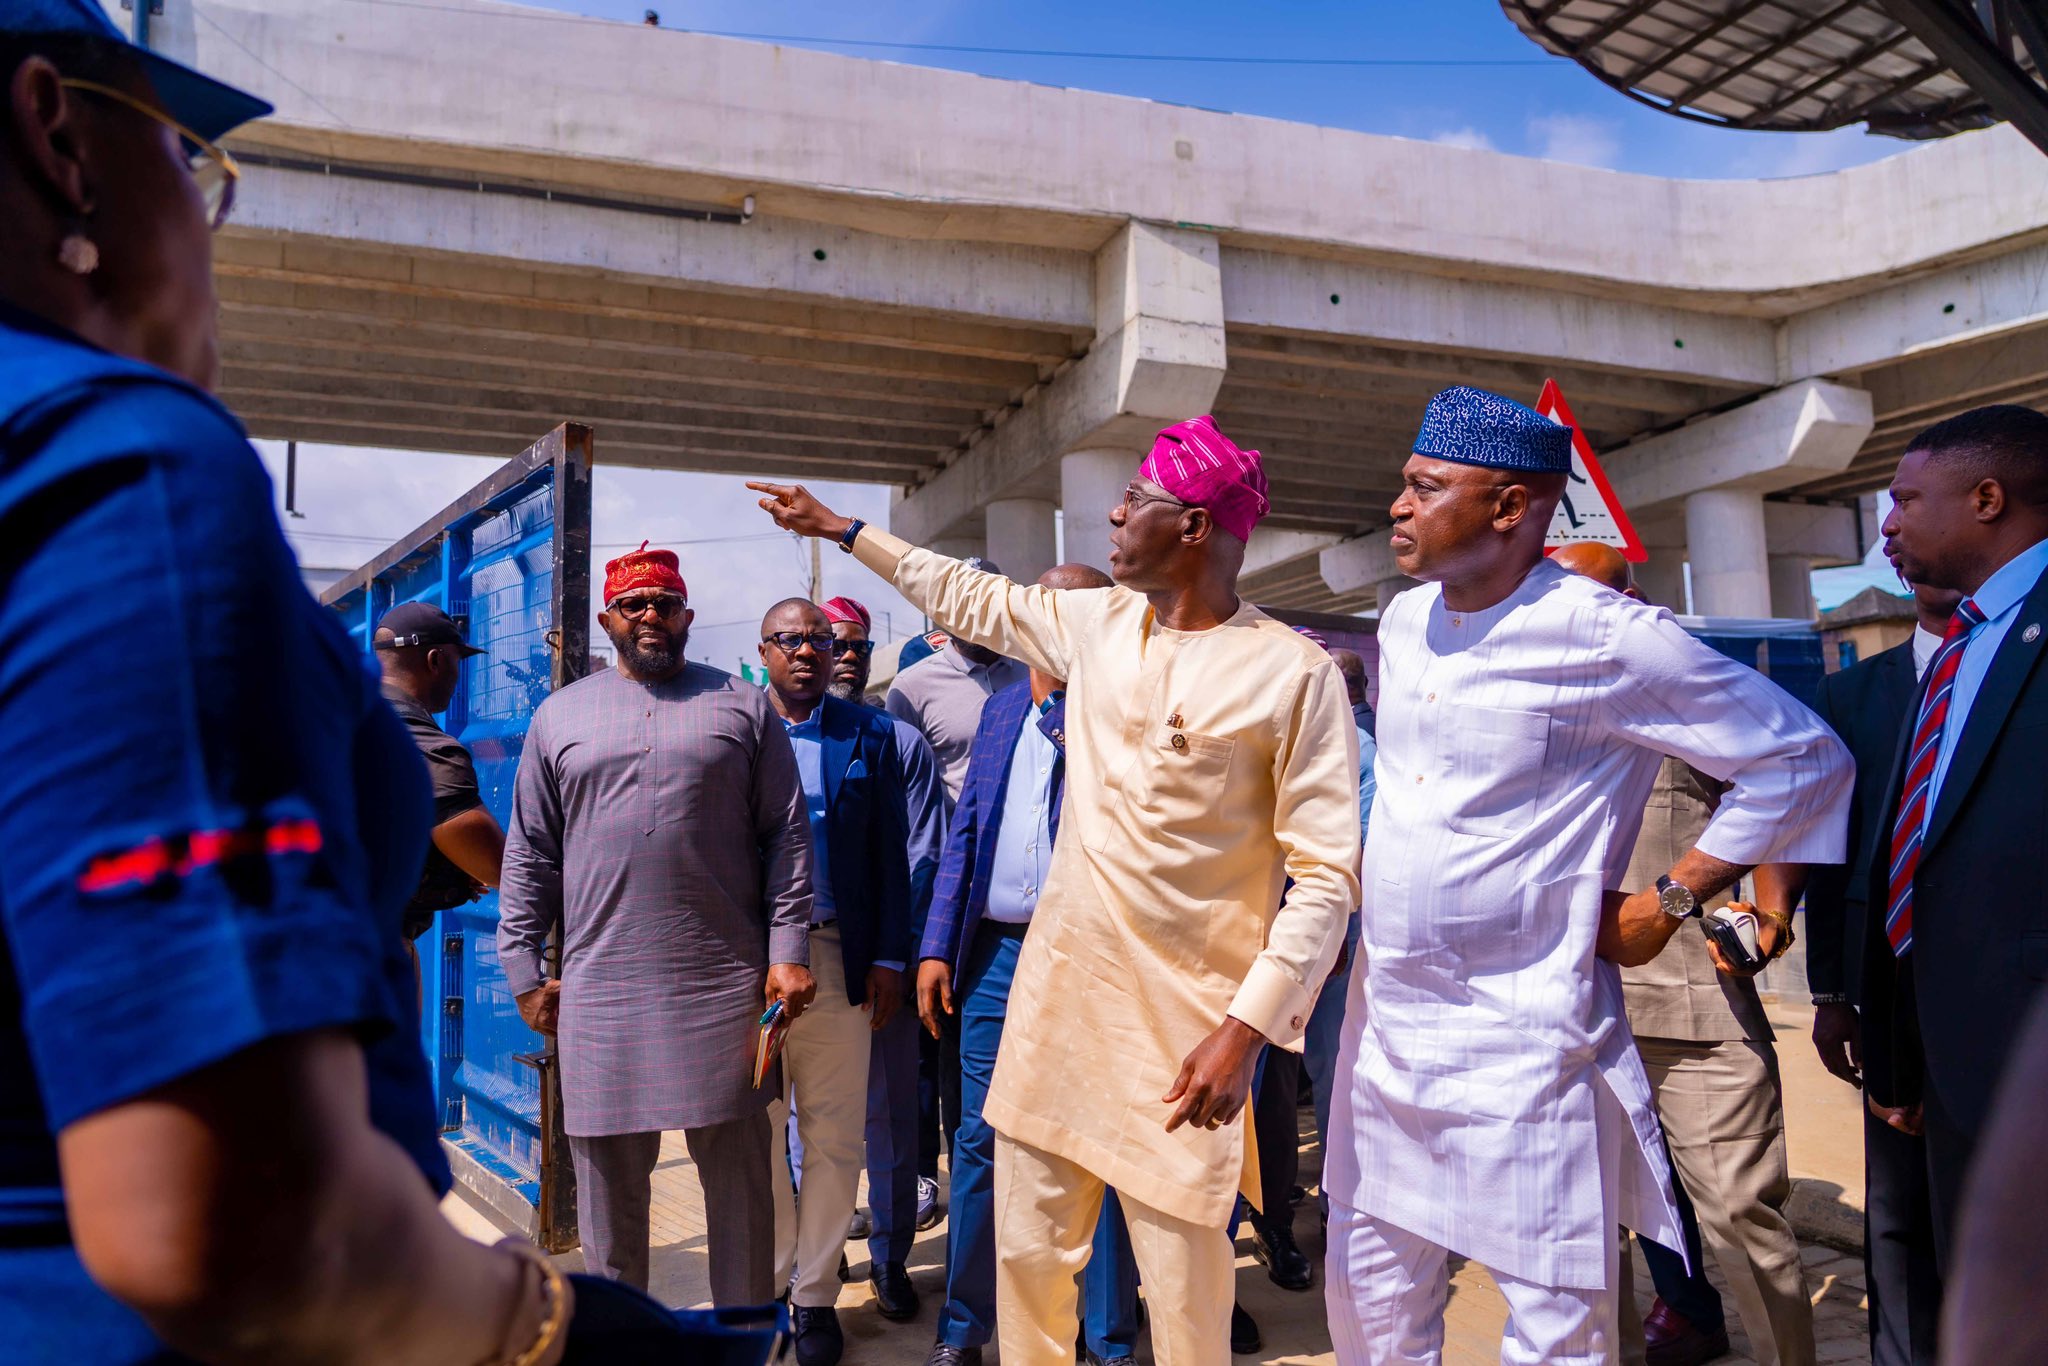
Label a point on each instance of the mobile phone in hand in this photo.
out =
(1736, 932)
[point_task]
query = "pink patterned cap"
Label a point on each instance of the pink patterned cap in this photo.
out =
(846, 609)
(1196, 463)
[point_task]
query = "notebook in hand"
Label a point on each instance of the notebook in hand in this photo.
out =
(768, 1042)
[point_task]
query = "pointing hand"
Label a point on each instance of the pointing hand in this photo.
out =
(794, 509)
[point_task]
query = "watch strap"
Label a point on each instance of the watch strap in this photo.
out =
(853, 530)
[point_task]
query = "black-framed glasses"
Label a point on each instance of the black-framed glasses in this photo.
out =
(863, 648)
(640, 604)
(1135, 497)
(789, 642)
(212, 169)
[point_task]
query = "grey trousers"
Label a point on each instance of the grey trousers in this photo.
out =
(614, 1194)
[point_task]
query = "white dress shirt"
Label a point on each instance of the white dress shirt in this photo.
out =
(1925, 643)
(1490, 1097)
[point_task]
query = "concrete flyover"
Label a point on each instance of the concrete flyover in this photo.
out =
(471, 220)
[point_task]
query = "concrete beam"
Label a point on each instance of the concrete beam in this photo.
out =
(1356, 565)
(1825, 535)
(988, 281)
(1395, 307)
(1787, 437)
(1272, 548)
(1949, 307)
(1158, 357)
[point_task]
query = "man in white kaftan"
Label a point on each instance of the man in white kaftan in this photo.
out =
(1490, 1099)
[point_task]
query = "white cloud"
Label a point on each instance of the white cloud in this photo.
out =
(1575, 138)
(1465, 137)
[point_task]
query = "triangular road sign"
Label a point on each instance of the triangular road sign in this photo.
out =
(1590, 511)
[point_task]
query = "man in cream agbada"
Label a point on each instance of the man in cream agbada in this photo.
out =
(1211, 756)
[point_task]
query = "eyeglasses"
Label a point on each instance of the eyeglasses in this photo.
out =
(213, 170)
(863, 648)
(661, 604)
(1137, 497)
(789, 642)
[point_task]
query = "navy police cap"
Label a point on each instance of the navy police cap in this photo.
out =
(1474, 427)
(208, 107)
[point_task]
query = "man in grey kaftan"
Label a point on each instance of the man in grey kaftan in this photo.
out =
(663, 824)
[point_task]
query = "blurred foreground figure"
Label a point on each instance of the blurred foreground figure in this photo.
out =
(1211, 754)
(1491, 1101)
(217, 1136)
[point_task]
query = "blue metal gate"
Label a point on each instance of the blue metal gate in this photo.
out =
(510, 561)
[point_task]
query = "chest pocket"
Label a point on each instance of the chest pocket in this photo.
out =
(1493, 769)
(1185, 777)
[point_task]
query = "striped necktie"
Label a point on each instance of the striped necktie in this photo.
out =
(1912, 822)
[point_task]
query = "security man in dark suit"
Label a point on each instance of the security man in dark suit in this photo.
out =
(1868, 705)
(1957, 945)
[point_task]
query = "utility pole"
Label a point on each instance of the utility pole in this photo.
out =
(817, 569)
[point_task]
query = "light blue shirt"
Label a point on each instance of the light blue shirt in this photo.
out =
(807, 738)
(1023, 854)
(1368, 787)
(1999, 600)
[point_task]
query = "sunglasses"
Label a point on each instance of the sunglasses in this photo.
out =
(789, 642)
(213, 170)
(863, 648)
(661, 604)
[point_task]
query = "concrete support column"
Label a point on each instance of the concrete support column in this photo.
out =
(1091, 484)
(1725, 538)
(1662, 577)
(1792, 587)
(1385, 590)
(1021, 537)
(958, 547)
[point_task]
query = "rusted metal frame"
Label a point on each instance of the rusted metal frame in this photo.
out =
(1857, 113)
(1638, 74)
(1868, 52)
(1970, 53)
(1798, 35)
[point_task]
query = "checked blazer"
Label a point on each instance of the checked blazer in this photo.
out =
(961, 893)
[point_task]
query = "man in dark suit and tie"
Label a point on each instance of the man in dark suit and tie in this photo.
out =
(1869, 706)
(860, 943)
(1956, 953)
(998, 851)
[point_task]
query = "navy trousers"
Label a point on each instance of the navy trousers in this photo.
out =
(1109, 1289)
(892, 1135)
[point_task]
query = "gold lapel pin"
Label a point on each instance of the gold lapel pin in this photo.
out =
(1180, 742)
(1173, 720)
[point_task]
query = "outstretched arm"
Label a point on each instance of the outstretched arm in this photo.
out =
(1036, 625)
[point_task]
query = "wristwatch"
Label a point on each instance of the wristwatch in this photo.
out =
(1677, 899)
(853, 529)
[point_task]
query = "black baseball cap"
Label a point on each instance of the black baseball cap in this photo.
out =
(208, 107)
(419, 623)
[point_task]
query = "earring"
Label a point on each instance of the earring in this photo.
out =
(78, 253)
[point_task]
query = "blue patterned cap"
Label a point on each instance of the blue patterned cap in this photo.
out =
(1474, 427)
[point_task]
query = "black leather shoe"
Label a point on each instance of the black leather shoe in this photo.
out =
(895, 1296)
(1244, 1333)
(944, 1354)
(819, 1341)
(1286, 1264)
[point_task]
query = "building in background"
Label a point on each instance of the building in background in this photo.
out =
(1869, 623)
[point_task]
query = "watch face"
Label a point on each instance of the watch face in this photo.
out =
(1677, 899)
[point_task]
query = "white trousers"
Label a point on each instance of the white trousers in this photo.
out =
(825, 1075)
(1385, 1290)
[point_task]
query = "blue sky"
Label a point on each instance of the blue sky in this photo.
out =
(1521, 101)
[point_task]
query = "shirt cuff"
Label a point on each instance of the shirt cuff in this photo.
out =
(523, 970)
(790, 944)
(1274, 1004)
(880, 551)
(888, 963)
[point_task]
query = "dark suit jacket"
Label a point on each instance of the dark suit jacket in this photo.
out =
(961, 893)
(1980, 920)
(1868, 705)
(867, 827)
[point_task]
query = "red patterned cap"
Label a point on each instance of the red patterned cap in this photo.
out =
(644, 568)
(846, 609)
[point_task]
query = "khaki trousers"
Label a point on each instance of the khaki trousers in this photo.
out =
(1722, 1115)
(1045, 1210)
(825, 1076)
